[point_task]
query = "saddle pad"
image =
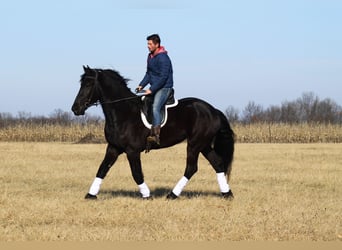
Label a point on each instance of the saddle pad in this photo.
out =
(148, 123)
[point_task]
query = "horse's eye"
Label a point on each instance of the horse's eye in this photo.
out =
(86, 84)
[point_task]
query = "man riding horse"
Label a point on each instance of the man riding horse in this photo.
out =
(159, 75)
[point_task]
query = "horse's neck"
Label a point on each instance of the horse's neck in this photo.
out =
(115, 105)
(117, 109)
(110, 95)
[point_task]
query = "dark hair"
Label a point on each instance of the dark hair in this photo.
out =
(155, 38)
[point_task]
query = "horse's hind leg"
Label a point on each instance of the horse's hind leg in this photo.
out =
(190, 170)
(109, 159)
(217, 163)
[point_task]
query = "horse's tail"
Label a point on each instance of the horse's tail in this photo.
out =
(224, 144)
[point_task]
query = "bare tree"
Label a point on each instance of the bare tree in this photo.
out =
(327, 111)
(273, 114)
(232, 114)
(253, 113)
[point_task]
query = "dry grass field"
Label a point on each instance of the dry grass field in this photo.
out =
(245, 133)
(282, 192)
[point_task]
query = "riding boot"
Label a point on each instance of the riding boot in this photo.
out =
(154, 136)
(157, 134)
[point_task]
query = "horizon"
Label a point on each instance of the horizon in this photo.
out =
(26, 115)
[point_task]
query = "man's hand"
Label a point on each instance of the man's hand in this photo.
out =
(148, 92)
(139, 88)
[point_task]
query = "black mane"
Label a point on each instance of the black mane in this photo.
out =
(115, 75)
(111, 74)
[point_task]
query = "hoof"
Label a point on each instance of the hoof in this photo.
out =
(229, 195)
(171, 196)
(90, 197)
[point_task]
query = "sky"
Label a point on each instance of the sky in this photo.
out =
(225, 52)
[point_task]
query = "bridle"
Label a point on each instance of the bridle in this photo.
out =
(88, 103)
(98, 102)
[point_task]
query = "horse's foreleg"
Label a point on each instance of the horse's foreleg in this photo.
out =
(109, 159)
(190, 170)
(137, 173)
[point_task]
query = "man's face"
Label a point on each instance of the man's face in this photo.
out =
(152, 46)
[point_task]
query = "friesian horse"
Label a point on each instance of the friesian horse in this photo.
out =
(205, 128)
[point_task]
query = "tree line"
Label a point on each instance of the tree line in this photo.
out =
(308, 108)
(57, 117)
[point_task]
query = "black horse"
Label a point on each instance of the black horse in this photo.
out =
(205, 128)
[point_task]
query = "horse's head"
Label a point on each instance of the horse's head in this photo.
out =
(88, 93)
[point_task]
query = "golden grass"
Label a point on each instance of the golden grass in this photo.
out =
(255, 133)
(288, 133)
(50, 133)
(282, 192)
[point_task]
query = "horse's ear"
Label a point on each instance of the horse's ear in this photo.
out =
(86, 68)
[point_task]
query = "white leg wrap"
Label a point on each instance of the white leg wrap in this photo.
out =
(95, 187)
(222, 181)
(180, 186)
(144, 190)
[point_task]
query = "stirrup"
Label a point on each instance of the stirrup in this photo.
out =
(153, 138)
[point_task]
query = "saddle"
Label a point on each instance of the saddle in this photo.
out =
(146, 110)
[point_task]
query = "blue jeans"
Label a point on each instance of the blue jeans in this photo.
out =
(160, 98)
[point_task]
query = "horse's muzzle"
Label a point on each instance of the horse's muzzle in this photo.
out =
(77, 110)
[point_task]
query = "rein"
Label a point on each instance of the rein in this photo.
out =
(115, 101)
(98, 102)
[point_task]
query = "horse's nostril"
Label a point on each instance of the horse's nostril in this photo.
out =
(74, 108)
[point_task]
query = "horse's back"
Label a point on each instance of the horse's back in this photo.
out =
(199, 106)
(194, 114)
(189, 101)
